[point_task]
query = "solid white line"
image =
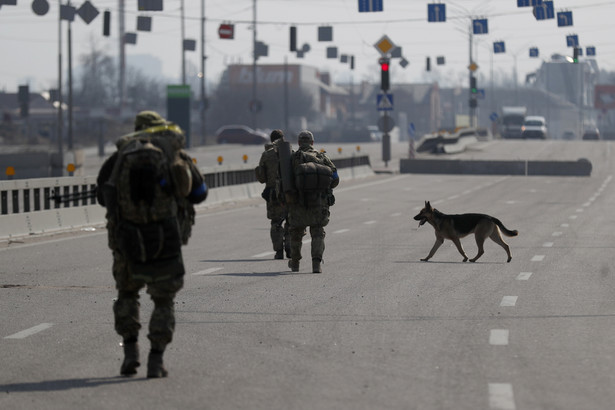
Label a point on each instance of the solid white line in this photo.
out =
(341, 231)
(547, 245)
(498, 337)
(29, 332)
(262, 255)
(501, 396)
(207, 271)
(524, 275)
(509, 301)
(538, 258)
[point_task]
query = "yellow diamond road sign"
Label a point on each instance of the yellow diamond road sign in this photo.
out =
(384, 45)
(473, 67)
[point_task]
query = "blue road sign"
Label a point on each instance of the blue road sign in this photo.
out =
(385, 102)
(590, 51)
(479, 26)
(544, 11)
(370, 5)
(572, 40)
(564, 18)
(436, 12)
(493, 116)
(480, 95)
(411, 130)
(534, 52)
(499, 47)
(528, 3)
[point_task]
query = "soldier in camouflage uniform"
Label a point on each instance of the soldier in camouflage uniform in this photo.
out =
(314, 213)
(277, 212)
(163, 286)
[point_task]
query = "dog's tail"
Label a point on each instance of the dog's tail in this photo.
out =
(504, 229)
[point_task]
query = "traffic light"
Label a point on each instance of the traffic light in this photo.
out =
(575, 55)
(428, 64)
(107, 23)
(384, 73)
(473, 87)
(23, 97)
(293, 38)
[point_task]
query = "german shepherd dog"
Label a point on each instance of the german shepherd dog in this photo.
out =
(454, 227)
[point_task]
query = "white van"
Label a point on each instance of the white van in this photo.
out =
(534, 127)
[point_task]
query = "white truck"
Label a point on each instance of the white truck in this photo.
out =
(512, 121)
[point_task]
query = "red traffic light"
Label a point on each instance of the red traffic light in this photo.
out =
(384, 66)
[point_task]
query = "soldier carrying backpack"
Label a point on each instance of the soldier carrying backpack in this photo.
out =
(149, 186)
(309, 197)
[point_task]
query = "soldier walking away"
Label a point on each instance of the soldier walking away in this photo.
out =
(268, 173)
(148, 186)
(315, 176)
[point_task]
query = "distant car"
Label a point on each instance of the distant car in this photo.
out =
(568, 135)
(534, 127)
(240, 134)
(591, 134)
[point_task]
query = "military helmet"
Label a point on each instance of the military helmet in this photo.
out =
(146, 119)
(305, 136)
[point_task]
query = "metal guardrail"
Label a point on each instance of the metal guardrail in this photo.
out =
(31, 195)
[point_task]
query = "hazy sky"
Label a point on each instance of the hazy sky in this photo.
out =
(29, 43)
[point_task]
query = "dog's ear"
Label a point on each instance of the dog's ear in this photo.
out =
(427, 205)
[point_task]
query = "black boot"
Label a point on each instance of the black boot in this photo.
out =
(279, 254)
(316, 265)
(131, 359)
(155, 368)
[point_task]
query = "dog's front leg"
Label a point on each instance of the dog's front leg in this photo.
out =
(457, 243)
(439, 241)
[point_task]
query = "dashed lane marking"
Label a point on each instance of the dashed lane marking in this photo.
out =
(547, 245)
(508, 301)
(524, 275)
(342, 230)
(501, 396)
(498, 337)
(538, 258)
(262, 255)
(557, 233)
(370, 222)
(207, 271)
(565, 225)
(29, 332)
(573, 216)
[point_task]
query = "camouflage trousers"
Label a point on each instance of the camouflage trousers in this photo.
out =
(126, 307)
(299, 218)
(280, 235)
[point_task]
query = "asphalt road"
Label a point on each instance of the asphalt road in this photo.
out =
(378, 329)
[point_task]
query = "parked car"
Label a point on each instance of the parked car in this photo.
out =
(591, 134)
(534, 127)
(240, 134)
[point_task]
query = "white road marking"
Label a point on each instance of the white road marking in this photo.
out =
(501, 396)
(565, 225)
(397, 214)
(547, 245)
(29, 332)
(557, 233)
(580, 210)
(370, 222)
(453, 197)
(573, 216)
(262, 255)
(498, 337)
(341, 231)
(207, 271)
(524, 275)
(538, 258)
(509, 301)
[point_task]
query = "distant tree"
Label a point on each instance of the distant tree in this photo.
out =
(97, 85)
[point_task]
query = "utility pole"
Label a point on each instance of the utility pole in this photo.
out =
(121, 25)
(183, 49)
(254, 104)
(203, 98)
(60, 119)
